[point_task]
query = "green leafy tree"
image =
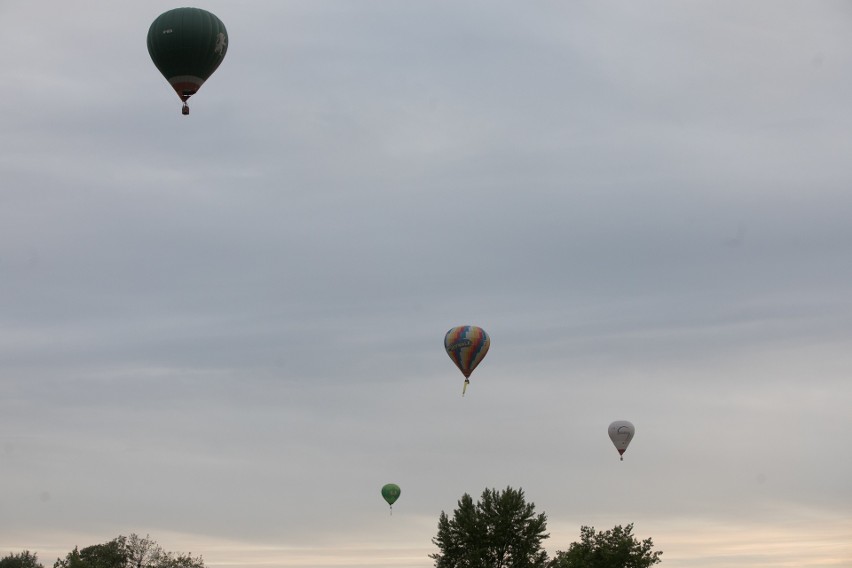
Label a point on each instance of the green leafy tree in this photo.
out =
(25, 559)
(111, 554)
(501, 530)
(71, 560)
(128, 552)
(616, 548)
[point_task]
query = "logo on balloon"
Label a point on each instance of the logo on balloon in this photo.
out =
(460, 344)
(220, 44)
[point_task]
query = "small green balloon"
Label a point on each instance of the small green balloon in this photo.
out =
(391, 493)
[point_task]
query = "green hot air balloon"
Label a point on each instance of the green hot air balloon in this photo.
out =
(391, 493)
(187, 45)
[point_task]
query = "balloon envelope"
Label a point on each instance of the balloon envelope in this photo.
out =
(187, 45)
(391, 493)
(621, 432)
(467, 345)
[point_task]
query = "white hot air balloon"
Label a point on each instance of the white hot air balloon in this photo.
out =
(621, 432)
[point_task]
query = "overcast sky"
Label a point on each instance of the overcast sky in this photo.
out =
(226, 330)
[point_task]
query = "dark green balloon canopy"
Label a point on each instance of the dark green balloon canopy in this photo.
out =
(187, 45)
(391, 493)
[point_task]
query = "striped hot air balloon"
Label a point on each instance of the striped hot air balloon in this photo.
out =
(466, 345)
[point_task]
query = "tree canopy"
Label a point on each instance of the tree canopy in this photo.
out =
(501, 530)
(127, 552)
(25, 559)
(616, 548)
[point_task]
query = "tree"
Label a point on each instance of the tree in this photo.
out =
(128, 552)
(616, 548)
(111, 554)
(25, 559)
(146, 553)
(71, 560)
(500, 531)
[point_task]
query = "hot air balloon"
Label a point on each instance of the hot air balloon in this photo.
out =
(621, 432)
(187, 45)
(391, 493)
(466, 345)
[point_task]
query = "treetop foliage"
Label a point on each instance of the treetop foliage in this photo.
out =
(25, 559)
(127, 552)
(615, 548)
(501, 530)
